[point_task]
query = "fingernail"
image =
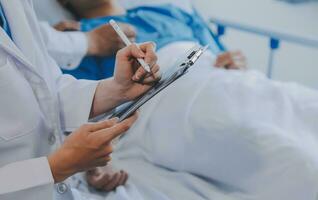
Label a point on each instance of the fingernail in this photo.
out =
(115, 119)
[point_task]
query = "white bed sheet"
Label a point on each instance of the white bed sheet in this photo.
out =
(253, 134)
(258, 137)
(148, 181)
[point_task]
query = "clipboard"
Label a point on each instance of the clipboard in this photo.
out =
(178, 70)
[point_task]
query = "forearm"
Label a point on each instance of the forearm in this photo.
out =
(107, 96)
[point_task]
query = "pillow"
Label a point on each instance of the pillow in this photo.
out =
(53, 12)
(50, 11)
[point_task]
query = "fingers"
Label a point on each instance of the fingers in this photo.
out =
(124, 178)
(101, 162)
(105, 152)
(145, 51)
(149, 48)
(106, 181)
(92, 172)
(155, 69)
(154, 76)
(129, 52)
(105, 136)
(151, 59)
(128, 30)
(231, 60)
(139, 74)
(223, 59)
(93, 127)
(144, 77)
(112, 183)
(98, 181)
(118, 179)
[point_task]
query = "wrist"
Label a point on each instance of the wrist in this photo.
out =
(118, 91)
(58, 167)
(92, 45)
(108, 95)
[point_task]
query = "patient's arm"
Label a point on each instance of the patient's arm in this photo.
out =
(106, 178)
(102, 41)
(68, 25)
(231, 60)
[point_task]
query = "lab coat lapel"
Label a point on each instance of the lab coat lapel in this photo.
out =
(23, 47)
(7, 44)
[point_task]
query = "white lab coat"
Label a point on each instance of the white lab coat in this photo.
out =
(37, 104)
(67, 48)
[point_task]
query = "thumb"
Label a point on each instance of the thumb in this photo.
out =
(129, 31)
(131, 51)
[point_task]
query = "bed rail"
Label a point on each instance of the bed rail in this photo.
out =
(275, 38)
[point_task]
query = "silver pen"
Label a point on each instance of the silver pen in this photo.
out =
(128, 43)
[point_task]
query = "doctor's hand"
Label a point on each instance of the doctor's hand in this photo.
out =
(130, 80)
(87, 148)
(104, 41)
(130, 76)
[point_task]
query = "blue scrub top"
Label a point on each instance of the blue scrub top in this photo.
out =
(3, 22)
(161, 24)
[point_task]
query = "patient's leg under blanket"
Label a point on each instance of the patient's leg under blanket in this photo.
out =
(235, 127)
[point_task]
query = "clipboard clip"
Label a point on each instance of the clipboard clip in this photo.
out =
(195, 54)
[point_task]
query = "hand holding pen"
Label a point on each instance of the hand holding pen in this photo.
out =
(149, 70)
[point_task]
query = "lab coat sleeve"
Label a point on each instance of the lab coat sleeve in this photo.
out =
(25, 175)
(76, 98)
(67, 48)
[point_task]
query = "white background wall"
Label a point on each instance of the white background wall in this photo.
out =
(293, 62)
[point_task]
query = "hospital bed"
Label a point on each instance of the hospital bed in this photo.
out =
(167, 185)
(156, 182)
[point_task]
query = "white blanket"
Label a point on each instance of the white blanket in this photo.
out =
(239, 128)
(255, 138)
